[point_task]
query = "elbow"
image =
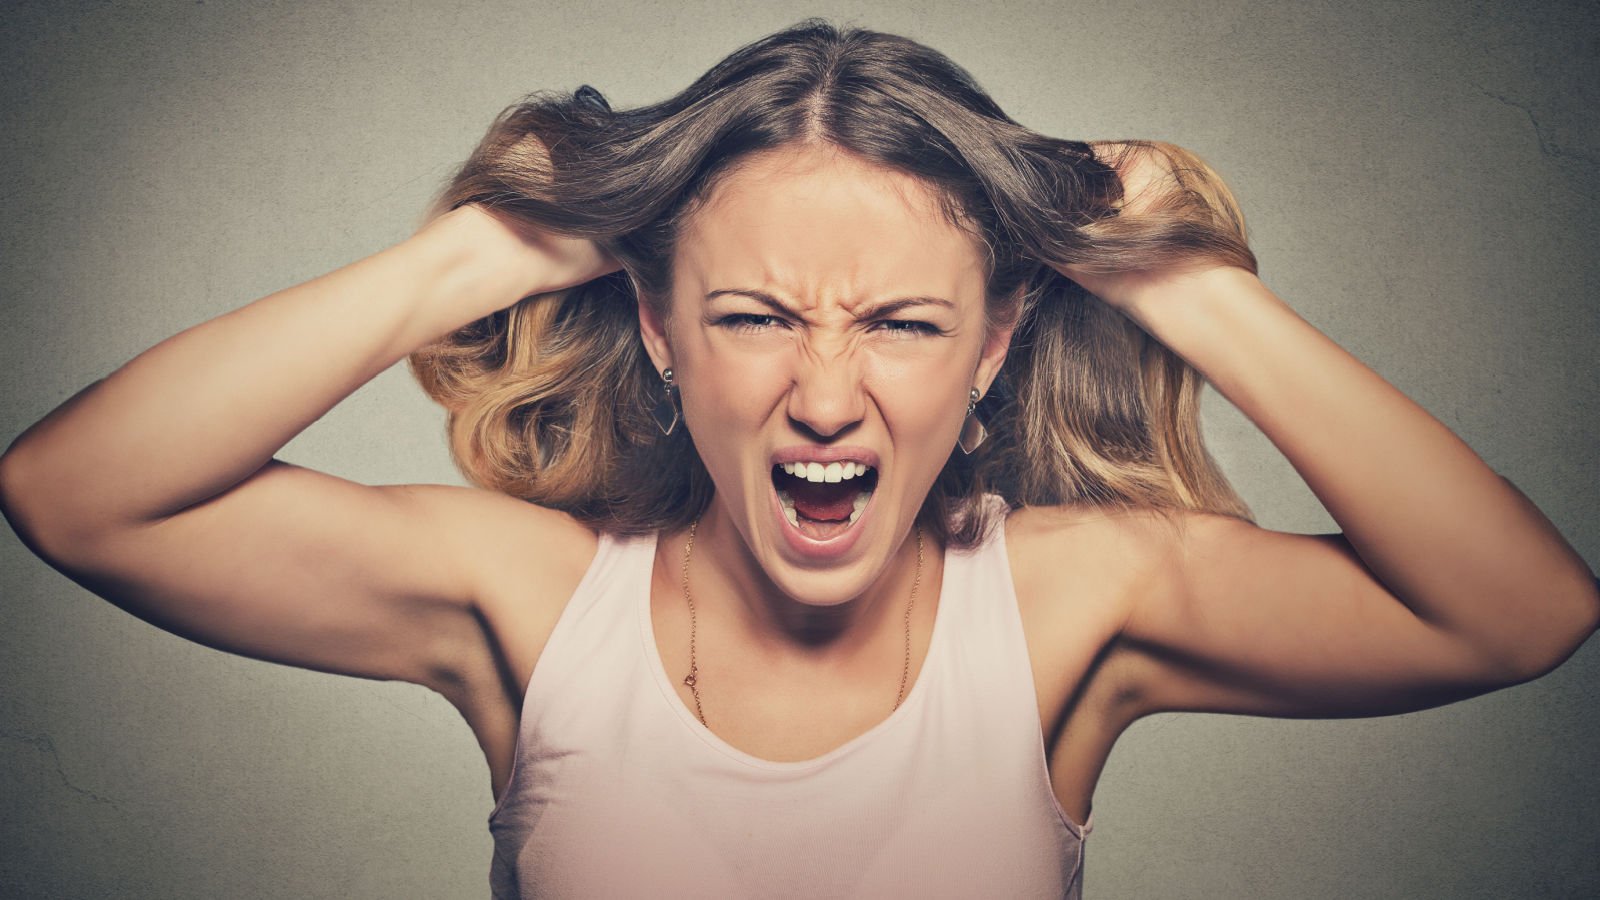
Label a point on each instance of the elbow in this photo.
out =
(12, 482)
(1563, 626)
(26, 505)
(15, 502)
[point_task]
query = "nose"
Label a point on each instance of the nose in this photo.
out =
(827, 397)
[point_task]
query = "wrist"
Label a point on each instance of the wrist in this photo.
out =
(512, 259)
(1223, 324)
(1186, 295)
(479, 259)
(454, 272)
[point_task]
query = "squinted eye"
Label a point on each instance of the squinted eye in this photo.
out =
(760, 322)
(749, 321)
(908, 327)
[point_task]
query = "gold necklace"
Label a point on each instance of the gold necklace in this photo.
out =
(692, 679)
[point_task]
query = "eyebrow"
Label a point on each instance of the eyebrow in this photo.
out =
(880, 309)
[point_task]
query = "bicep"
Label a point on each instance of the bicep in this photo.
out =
(302, 568)
(1250, 621)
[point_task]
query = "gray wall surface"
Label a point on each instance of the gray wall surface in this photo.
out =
(1422, 185)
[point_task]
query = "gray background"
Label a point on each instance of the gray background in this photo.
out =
(1421, 181)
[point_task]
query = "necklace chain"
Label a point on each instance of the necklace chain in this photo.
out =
(693, 678)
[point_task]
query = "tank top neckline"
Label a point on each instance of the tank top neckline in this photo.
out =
(913, 700)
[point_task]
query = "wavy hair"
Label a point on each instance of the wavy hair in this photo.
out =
(547, 400)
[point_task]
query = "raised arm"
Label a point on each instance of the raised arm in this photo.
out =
(1445, 582)
(155, 487)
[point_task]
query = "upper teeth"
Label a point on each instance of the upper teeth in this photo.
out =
(834, 471)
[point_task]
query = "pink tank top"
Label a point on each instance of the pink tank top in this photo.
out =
(618, 791)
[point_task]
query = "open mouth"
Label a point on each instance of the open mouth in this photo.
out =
(822, 500)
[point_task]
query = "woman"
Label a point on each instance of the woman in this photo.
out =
(839, 471)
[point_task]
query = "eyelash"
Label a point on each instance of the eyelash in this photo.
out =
(747, 322)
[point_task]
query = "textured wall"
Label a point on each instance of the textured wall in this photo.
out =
(1422, 184)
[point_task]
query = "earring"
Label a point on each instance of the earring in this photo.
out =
(665, 412)
(972, 431)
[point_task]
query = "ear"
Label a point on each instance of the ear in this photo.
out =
(653, 330)
(993, 356)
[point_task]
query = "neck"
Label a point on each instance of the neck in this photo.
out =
(729, 584)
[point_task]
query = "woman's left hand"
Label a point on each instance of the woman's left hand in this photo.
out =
(1148, 179)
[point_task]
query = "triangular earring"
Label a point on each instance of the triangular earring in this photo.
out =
(972, 431)
(665, 411)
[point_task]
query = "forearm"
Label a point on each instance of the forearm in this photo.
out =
(204, 409)
(1458, 544)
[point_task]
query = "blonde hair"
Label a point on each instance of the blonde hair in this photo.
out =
(548, 399)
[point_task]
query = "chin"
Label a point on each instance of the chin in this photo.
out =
(820, 589)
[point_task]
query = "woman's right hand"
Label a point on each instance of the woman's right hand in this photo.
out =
(538, 260)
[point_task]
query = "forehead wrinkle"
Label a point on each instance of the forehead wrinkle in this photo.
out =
(859, 310)
(809, 288)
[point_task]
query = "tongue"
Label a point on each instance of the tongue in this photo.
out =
(822, 501)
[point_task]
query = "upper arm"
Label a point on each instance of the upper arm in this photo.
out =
(1235, 618)
(306, 569)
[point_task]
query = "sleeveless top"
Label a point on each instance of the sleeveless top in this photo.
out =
(618, 791)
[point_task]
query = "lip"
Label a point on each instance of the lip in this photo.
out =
(810, 549)
(807, 453)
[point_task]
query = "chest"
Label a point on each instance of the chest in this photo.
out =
(793, 713)
(801, 712)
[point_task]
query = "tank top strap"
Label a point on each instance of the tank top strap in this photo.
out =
(595, 611)
(992, 618)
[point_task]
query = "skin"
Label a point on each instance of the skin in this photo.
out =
(156, 488)
(802, 248)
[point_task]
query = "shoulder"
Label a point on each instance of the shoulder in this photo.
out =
(1130, 542)
(1075, 554)
(1144, 552)
(502, 541)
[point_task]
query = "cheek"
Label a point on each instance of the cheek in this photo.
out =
(734, 389)
(922, 388)
(921, 400)
(727, 403)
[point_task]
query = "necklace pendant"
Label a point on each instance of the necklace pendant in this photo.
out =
(689, 679)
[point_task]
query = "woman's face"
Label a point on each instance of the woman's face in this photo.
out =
(824, 313)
